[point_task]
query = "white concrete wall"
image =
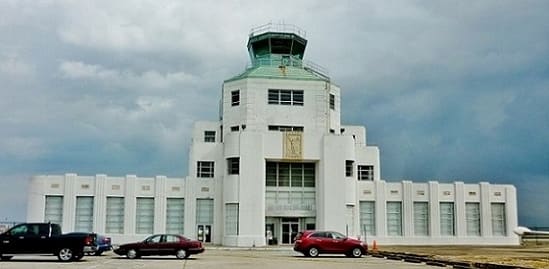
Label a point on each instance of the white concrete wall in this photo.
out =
(255, 112)
(433, 192)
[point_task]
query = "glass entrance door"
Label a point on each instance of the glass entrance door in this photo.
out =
(204, 233)
(289, 231)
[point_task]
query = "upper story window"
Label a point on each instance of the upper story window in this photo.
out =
(365, 172)
(204, 169)
(285, 128)
(209, 136)
(233, 166)
(280, 174)
(235, 98)
(349, 168)
(332, 101)
(285, 97)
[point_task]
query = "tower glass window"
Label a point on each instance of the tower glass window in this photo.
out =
(332, 101)
(205, 169)
(285, 97)
(365, 172)
(367, 217)
(447, 219)
(285, 128)
(144, 215)
(349, 168)
(472, 218)
(235, 98)
(209, 136)
(233, 166)
(175, 215)
(115, 215)
(421, 218)
(231, 219)
(280, 174)
(54, 209)
(498, 219)
(84, 214)
(394, 218)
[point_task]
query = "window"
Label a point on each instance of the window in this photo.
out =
(231, 219)
(209, 136)
(394, 218)
(367, 218)
(421, 218)
(472, 218)
(285, 97)
(332, 101)
(115, 215)
(349, 168)
(498, 219)
(233, 166)
(235, 128)
(279, 174)
(235, 98)
(84, 214)
(350, 219)
(447, 226)
(284, 128)
(144, 215)
(175, 215)
(365, 172)
(204, 169)
(54, 209)
(204, 211)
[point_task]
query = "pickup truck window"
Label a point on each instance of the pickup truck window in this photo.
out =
(19, 230)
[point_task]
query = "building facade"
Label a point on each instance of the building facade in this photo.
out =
(276, 162)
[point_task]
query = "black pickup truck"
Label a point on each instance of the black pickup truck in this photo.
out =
(45, 238)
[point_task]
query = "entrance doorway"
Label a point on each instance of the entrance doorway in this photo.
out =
(290, 228)
(204, 233)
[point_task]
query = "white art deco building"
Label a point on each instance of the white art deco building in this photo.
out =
(278, 161)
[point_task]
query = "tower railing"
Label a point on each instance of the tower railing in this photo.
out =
(277, 27)
(291, 61)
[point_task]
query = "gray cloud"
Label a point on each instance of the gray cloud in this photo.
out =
(448, 90)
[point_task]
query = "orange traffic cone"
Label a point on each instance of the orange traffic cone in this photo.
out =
(374, 246)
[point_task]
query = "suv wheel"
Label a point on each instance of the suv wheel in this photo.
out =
(312, 252)
(356, 252)
(65, 254)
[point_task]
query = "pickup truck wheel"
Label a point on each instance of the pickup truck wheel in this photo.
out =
(131, 254)
(181, 254)
(65, 254)
(5, 258)
(97, 253)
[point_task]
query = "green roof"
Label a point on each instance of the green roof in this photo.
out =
(279, 72)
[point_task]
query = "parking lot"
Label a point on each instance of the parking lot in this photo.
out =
(215, 258)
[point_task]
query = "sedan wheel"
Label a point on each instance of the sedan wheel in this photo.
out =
(313, 252)
(356, 252)
(181, 254)
(65, 254)
(131, 254)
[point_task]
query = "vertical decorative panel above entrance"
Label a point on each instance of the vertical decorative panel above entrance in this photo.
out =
(292, 143)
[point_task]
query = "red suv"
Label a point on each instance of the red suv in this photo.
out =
(312, 243)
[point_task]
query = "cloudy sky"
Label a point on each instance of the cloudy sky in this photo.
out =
(451, 90)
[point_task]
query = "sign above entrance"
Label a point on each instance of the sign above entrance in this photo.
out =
(292, 143)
